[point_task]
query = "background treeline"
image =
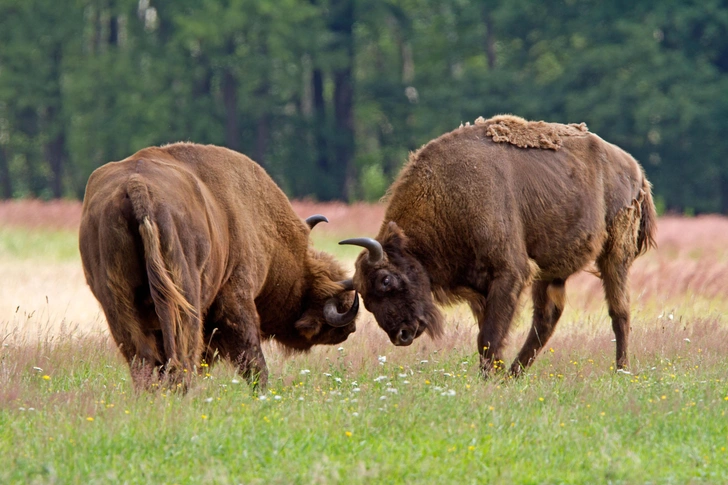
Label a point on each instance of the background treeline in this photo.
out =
(330, 95)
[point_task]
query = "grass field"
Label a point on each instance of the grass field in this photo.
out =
(367, 412)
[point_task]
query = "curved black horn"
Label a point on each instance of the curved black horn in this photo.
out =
(347, 284)
(336, 319)
(372, 245)
(315, 219)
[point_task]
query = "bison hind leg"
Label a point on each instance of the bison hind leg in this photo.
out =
(620, 250)
(614, 273)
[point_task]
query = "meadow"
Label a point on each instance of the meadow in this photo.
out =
(366, 411)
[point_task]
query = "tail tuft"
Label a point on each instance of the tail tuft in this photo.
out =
(648, 221)
(164, 278)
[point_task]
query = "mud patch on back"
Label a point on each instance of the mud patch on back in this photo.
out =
(529, 134)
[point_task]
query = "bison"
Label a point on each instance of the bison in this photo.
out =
(479, 213)
(193, 251)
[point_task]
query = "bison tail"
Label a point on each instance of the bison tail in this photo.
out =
(170, 304)
(648, 219)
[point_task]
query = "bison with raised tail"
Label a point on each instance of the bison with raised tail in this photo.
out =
(193, 251)
(480, 212)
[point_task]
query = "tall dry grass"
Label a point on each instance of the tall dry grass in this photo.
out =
(686, 277)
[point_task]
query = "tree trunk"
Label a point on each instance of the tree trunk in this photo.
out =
(724, 194)
(54, 152)
(55, 148)
(489, 38)
(262, 94)
(5, 184)
(319, 117)
(230, 100)
(113, 30)
(342, 25)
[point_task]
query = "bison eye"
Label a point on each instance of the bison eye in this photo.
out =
(385, 283)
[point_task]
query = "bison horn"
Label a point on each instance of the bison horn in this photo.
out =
(315, 219)
(336, 319)
(372, 245)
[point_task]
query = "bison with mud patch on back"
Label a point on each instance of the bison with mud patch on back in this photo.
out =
(194, 251)
(480, 212)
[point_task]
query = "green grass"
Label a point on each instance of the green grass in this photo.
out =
(40, 244)
(68, 413)
(62, 244)
(570, 420)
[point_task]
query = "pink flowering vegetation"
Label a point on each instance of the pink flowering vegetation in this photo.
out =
(688, 270)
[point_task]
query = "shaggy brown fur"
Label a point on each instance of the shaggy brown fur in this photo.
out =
(475, 216)
(194, 251)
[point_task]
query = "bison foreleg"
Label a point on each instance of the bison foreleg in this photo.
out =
(236, 337)
(548, 304)
(495, 320)
(251, 364)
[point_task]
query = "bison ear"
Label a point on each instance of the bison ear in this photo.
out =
(393, 239)
(307, 326)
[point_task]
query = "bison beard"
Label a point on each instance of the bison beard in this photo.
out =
(485, 210)
(194, 252)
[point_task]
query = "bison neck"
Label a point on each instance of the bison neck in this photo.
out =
(428, 246)
(279, 304)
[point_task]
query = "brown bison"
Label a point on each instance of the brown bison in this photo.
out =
(480, 212)
(193, 251)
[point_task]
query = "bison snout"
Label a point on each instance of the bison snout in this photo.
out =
(404, 337)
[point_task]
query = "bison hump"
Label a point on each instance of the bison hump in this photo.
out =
(529, 134)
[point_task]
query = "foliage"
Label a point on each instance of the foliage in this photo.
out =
(330, 95)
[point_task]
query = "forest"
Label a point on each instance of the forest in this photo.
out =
(331, 95)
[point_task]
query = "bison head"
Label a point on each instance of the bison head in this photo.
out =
(331, 304)
(395, 287)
